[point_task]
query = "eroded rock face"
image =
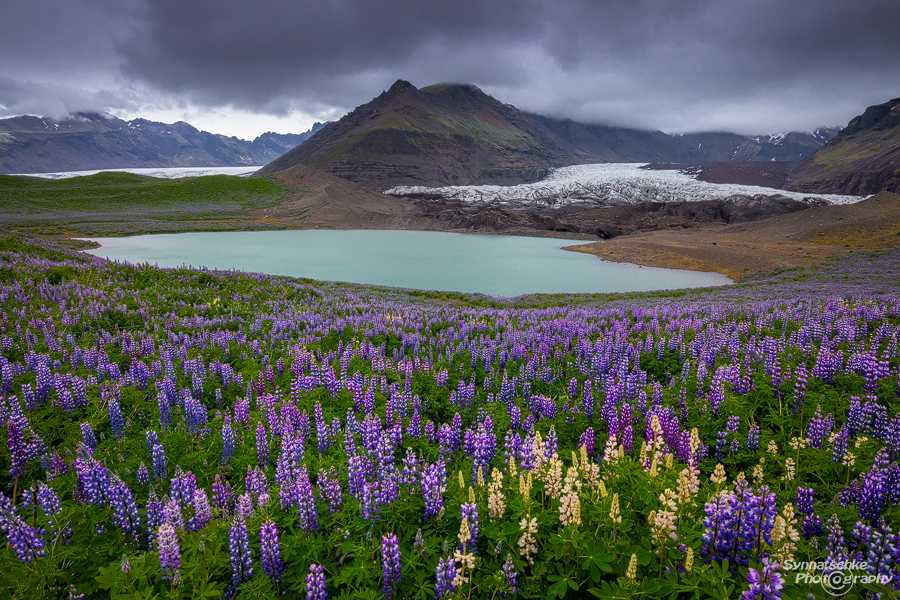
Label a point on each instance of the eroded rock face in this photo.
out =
(610, 222)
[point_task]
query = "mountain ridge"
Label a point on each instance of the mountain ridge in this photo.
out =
(455, 134)
(84, 141)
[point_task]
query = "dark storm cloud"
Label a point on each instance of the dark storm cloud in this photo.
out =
(757, 65)
(54, 100)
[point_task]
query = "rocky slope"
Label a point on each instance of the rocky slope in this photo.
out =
(92, 141)
(863, 159)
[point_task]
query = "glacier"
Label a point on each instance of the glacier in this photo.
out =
(160, 172)
(608, 184)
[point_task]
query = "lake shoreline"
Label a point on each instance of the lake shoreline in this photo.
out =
(503, 266)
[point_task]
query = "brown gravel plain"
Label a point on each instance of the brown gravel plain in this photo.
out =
(801, 239)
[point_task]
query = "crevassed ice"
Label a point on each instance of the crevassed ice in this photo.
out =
(605, 185)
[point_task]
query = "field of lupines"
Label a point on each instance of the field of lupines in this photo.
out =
(194, 434)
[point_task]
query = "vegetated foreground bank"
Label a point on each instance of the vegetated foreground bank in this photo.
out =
(169, 431)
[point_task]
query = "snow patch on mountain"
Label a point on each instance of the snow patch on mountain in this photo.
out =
(607, 184)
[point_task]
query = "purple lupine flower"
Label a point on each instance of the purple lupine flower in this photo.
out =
(470, 514)
(323, 431)
(169, 551)
(806, 499)
(165, 410)
(223, 496)
(753, 438)
(315, 583)
(812, 527)
(23, 538)
(766, 584)
(802, 376)
(202, 510)
(872, 495)
(155, 516)
(369, 502)
(262, 444)
(270, 550)
(432, 491)
(48, 500)
(288, 496)
(762, 512)
(880, 547)
(239, 551)
(587, 440)
(17, 449)
(227, 440)
(483, 448)
(409, 476)
(158, 458)
(93, 480)
(330, 490)
(242, 410)
(182, 486)
(512, 581)
(717, 534)
(390, 564)
(551, 444)
(57, 467)
(834, 542)
(819, 428)
(445, 574)
(142, 475)
(255, 481)
(244, 506)
(88, 437)
(356, 475)
(112, 395)
(840, 445)
(172, 515)
(125, 511)
(306, 506)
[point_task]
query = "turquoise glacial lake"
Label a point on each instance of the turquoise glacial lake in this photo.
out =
(497, 265)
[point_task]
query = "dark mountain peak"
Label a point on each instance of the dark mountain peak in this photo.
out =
(864, 158)
(879, 116)
(438, 135)
(400, 87)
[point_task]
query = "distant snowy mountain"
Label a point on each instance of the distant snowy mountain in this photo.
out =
(90, 141)
(608, 184)
(620, 144)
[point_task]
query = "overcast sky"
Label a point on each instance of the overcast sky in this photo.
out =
(242, 67)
